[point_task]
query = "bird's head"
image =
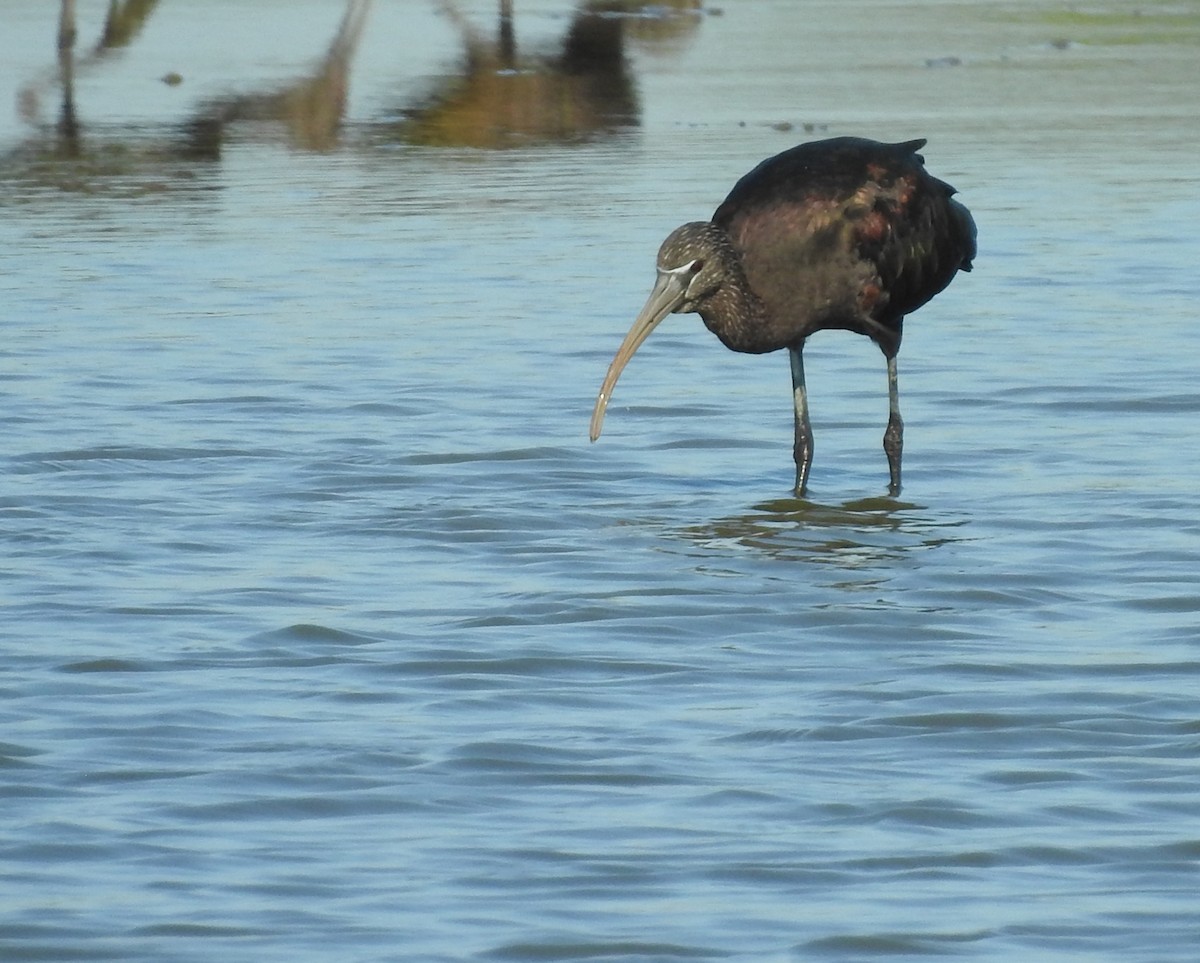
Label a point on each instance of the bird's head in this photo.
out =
(690, 269)
(690, 265)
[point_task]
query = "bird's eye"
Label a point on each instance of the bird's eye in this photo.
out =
(695, 267)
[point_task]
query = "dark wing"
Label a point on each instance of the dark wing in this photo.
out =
(824, 168)
(917, 236)
(847, 233)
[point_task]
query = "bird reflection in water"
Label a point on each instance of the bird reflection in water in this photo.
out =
(856, 535)
(504, 98)
(500, 97)
(311, 109)
(122, 23)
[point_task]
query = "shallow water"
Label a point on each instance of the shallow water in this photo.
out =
(329, 635)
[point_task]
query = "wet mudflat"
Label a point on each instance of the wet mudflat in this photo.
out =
(329, 636)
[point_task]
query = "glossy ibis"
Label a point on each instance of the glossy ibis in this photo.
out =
(845, 233)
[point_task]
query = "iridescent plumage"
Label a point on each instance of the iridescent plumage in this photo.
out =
(844, 233)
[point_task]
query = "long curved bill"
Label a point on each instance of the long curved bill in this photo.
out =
(667, 295)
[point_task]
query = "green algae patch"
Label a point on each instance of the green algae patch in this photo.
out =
(1125, 27)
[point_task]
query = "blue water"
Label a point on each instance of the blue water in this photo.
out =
(329, 636)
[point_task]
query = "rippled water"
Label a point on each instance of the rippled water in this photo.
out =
(328, 636)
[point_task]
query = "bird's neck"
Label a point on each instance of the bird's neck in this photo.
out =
(734, 313)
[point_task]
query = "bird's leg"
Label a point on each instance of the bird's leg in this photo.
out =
(893, 437)
(803, 450)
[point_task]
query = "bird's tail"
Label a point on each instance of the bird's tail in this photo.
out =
(965, 224)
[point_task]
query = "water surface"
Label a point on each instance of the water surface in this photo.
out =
(329, 636)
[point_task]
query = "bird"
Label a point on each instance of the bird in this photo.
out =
(845, 233)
